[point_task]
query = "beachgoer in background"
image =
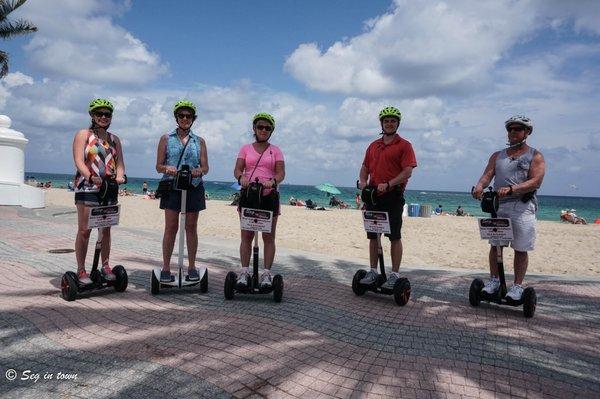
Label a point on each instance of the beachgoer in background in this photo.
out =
(182, 147)
(357, 200)
(145, 188)
(206, 196)
(438, 211)
(235, 199)
(518, 171)
(264, 161)
(388, 165)
(571, 217)
(97, 154)
(460, 211)
(70, 186)
(310, 204)
(292, 200)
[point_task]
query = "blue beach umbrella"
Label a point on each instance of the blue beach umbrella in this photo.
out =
(328, 188)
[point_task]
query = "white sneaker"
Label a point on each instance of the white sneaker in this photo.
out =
(492, 286)
(515, 293)
(370, 278)
(391, 281)
(265, 279)
(242, 279)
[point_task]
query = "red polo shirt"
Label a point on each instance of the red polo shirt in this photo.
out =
(384, 162)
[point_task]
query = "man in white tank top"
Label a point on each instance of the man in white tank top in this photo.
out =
(518, 172)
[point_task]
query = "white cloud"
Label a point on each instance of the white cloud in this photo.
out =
(416, 49)
(79, 40)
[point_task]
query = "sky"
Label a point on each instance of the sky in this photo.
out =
(456, 70)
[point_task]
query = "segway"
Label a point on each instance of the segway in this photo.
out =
(490, 204)
(102, 216)
(257, 220)
(401, 290)
(182, 182)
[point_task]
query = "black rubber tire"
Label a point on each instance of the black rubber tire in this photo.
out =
(69, 285)
(229, 288)
(357, 288)
(121, 279)
(402, 291)
(529, 302)
(475, 292)
(155, 284)
(277, 288)
(204, 282)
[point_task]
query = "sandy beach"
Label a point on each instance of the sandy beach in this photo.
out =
(442, 241)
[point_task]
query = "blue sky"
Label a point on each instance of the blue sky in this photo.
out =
(455, 69)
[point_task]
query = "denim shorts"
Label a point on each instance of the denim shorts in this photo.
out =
(195, 201)
(90, 199)
(522, 218)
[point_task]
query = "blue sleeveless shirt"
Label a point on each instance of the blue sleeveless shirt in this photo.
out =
(191, 157)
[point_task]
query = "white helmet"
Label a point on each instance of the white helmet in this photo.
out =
(520, 119)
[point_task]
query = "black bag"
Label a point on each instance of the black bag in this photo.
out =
(251, 196)
(369, 196)
(183, 179)
(490, 202)
(164, 186)
(109, 191)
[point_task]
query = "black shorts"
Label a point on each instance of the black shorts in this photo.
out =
(268, 202)
(393, 203)
(195, 201)
(90, 199)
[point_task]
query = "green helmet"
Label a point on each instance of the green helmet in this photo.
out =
(390, 111)
(184, 104)
(263, 115)
(100, 103)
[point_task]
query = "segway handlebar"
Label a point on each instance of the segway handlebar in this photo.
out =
(489, 201)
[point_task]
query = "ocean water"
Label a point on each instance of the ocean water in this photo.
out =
(550, 206)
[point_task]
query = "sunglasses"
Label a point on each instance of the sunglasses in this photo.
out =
(185, 116)
(515, 129)
(100, 114)
(266, 128)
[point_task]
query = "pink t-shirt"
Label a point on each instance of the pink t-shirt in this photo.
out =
(266, 168)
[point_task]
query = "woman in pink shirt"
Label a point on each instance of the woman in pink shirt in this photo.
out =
(263, 161)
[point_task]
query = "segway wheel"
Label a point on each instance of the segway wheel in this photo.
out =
(68, 286)
(475, 292)
(357, 288)
(402, 291)
(155, 284)
(529, 302)
(277, 288)
(204, 282)
(229, 289)
(121, 279)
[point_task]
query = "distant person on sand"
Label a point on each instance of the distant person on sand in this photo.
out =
(357, 200)
(438, 211)
(97, 154)
(518, 171)
(145, 188)
(388, 164)
(263, 161)
(460, 211)
(180, 147)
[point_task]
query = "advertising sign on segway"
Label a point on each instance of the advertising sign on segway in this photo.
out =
(104, 216)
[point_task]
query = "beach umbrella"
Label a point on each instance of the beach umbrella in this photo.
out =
(328, 188)
(236, 186)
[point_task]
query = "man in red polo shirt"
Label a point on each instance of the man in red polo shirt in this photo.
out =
(388, 165)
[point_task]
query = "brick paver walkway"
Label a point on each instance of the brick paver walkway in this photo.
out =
(321, 341)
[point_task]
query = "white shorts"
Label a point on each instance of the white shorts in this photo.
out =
(522, 218)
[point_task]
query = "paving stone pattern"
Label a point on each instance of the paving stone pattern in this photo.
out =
(321, 341)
